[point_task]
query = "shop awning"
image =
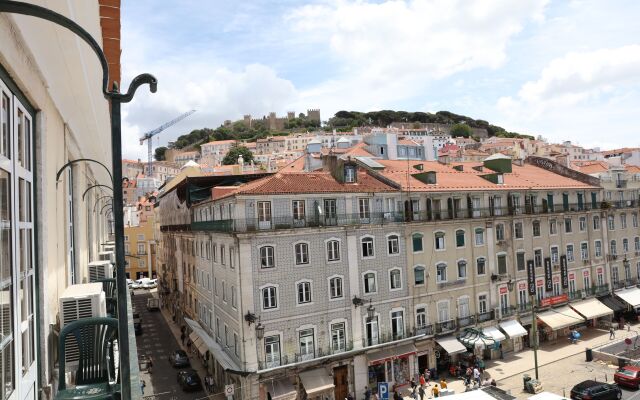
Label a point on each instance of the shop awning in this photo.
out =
(197, 343)
(472, 338)
(216, 351)
(494, 333)
(203, 348)
(281, 389)
(591, 308)
(451, 345)
(630, 296)
(513, 329)
(316, 381)
(613, 303)
(561, 317)
(193, 336)
(390, 353)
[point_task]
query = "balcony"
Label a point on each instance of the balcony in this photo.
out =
(486, 316)
(446, 326)
(621, 184)
(577, 295)
(524, 308)
(426, 330)
(598, 290)
(466, 321)
(507, 311)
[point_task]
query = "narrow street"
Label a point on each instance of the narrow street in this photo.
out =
(158, 341)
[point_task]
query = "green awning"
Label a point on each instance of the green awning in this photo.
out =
(473, 338)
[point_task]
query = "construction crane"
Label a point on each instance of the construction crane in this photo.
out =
(147, 136)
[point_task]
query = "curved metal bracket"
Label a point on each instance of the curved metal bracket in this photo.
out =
(78, 160)
(98, 201)
(105, 206)
(133, 86)
(94, 186)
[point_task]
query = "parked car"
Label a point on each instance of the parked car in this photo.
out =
(628, 376)
(150, 284)
(189, 380)
(153, 304)
(136, 284)
(592, 390)
(179, 359)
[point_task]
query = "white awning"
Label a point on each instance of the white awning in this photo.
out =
(214, 348)
(392, 352)
(203, 348)
(561, 317)
(493, 332)
(281, 389)
(451, 345)
(193, 336)
(513, 329)
(630, 296)
(591, 308)
(316, 381)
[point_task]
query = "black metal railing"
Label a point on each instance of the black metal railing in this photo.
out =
(466, 321)
(485, 316)
(446, 326)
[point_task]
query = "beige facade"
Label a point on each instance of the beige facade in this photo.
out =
(140, 249)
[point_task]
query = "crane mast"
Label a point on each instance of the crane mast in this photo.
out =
(148, 135)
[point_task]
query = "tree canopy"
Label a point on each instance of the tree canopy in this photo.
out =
(461, 130)
(159, 153)
(236, 151)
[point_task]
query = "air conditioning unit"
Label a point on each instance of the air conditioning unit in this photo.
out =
(77, 302)
(100, 270)
(107, 256)
(109, 247)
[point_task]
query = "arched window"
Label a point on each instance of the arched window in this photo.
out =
(267, 257)
(416, 240)
(462, 269)
(499, 232)
(479, 235)
(481, 266)
(439, 240)
(393, 244)
(369, 282)
(613, 249)
(335, 287)
(395, 281)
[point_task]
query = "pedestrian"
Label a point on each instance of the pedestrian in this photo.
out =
(612, 333)
(435, 391)
(494, 383)
(396, 396)
(421, 392)
(367, 393)
(349, 396)
(443, 383)
(414, 393)
(422, 381)
(150, 365)
(476, 375)
(142, 385)
(413, 384)
(427, 376)
(467, 379)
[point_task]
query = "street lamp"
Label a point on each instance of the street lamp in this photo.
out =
(115, 99)
(371, 312)
(259, 331)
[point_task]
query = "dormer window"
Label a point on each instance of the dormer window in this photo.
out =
(500, 179)
(349, 174)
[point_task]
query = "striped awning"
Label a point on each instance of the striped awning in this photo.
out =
(472, 338)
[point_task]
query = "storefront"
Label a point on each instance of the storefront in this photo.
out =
(280, 389)
(425, 354)
(630, 296)
(479, 344)
(619, 307)
(515, 333)
(594, 311)
(394, 365)
(316, 384)
(558, 322)
(498, 349)
(449, 349)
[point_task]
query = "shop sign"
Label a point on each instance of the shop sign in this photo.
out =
(531, 277)
(548, 272)
(503, 289)
(585, 273)
(599, 270)
(522, 285)
(572, 276)
(550, 301)
(564, 272)
(556, 279)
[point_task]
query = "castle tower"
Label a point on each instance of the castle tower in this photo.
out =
(291, 114)
(313, 114)
(272, 121)
(247, 120)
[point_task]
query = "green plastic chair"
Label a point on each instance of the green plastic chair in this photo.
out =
(94, 338)
(109, 288)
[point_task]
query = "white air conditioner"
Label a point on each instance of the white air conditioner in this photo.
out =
(77, 302)
(100, 270)
(107, 256)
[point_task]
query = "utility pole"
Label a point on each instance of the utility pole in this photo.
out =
(534, 332)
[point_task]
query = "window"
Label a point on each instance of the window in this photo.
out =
(439, 241)
(584, 250)
(304, 292)
(330, 211)
(338, 337)
(223, 257)
(598, 248)
(569, 253)
(462, 269)
(625, 246)
(233, 296)
(479, 236)
(520, 263)
(421, 317)
(459, 238)
(636, 244)
(568, 228)
(483, 304)
(141, 248)
(418, 275)
(363, 208)
(502, 264)
(397, 325)
(236, 348)
(517, 230)
(623, 221)
(370, 282)
(441, 273)
(634, 220)
(536, 228)
(367, 247)
(395, 281)
(481, 266)
(349, 174)
(141, 237)
(393, 244)
(335, 288)
(267, 258)
(586, 280)
(302, 253)
(372, 331)
(554, 254)
(596, 222)
(269, 297)
(613, 248)
(306, 341)
(614, 275)
(499, 232)
(416, 240)
(582, 224)
(443, 311)
(611, 222)
(333, 250)
(553, 227)
(298, 210)
(264, 214)
(272, 351)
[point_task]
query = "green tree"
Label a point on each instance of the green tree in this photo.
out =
(159, 153)
(232, 156)
(461, 130)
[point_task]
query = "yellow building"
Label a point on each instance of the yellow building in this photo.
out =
(140, 249)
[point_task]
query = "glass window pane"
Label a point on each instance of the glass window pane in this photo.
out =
(5, 226)
(6, 313)
(8, 372)
(5, 140)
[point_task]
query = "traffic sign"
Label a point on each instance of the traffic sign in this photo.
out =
(383, 390)
(229, 390)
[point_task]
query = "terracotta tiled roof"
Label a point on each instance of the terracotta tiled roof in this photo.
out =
(618, 151)
(310, 182)
(591, 167)
(448, 178)
(220, 142)
(633, 169)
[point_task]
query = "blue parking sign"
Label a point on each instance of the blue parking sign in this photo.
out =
(383, 390)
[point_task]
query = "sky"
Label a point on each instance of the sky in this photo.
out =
(564, 69)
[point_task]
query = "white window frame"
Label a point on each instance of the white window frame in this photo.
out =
(390, 274)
